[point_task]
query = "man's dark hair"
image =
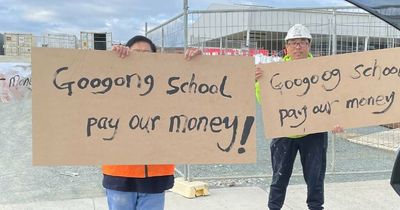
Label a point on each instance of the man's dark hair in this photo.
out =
(140, 38)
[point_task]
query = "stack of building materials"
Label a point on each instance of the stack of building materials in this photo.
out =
(59, 41)
(96, 40)
(18, 44)
(1, 44)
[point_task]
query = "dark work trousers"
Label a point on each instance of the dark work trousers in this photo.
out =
(312, 150)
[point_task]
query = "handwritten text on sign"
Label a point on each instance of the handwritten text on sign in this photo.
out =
(15, 81)
(92, 107)
(314, 95)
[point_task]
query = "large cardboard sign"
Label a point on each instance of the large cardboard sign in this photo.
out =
(313, 95)
(92, 107)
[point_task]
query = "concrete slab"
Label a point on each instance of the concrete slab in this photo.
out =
(100, 203)
(240, 198)
(235, 198)
(347, 196)
(75, 204)
(339, 196)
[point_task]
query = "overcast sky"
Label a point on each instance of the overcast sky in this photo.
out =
(123, 18)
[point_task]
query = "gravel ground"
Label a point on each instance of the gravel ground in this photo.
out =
(20, 182)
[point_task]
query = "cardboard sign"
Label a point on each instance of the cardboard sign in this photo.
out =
(15, 81)
(92, 107)
(313, 95)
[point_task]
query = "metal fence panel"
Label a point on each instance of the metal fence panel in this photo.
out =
(249, 31)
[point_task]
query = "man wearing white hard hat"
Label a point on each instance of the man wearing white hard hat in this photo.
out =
(312, 147)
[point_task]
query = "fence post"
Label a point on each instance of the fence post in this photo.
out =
(185, 23)
(357, 41)
(330, 38)
(366, 41)
(333, 152)
(220, 44)
(334, 52)
(334, 37)
(185, 40)
(145, 29)
(162, 40)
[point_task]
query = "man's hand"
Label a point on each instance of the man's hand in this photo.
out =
(337, 129)
(121, 50)
(192, 52)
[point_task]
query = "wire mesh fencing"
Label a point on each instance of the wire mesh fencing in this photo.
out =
(251, 31)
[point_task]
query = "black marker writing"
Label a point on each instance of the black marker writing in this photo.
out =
(379, 100)
(248, 124)
(104, 85)
(299, 116)
(143, 123)
(194, 87)
(324, 108)
(375, 71)
(305, 83)
(104, 123)
(184, 124)
(16, 80)
(289, 113)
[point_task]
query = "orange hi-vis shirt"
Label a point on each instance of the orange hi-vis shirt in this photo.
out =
(138, 171)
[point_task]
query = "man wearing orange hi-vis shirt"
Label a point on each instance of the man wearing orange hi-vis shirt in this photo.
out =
(138, 187)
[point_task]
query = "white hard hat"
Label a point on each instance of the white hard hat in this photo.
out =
(298, 31)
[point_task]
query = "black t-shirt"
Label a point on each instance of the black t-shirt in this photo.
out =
(157, 184)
